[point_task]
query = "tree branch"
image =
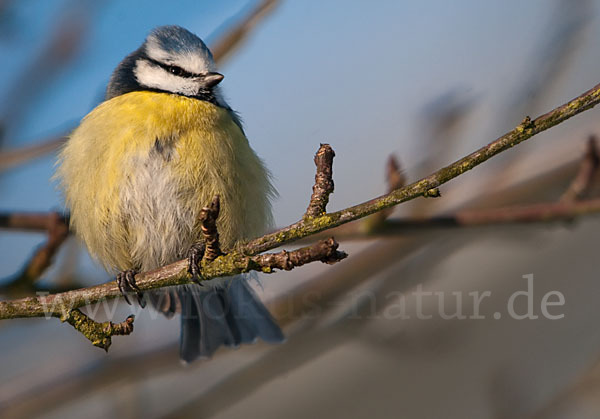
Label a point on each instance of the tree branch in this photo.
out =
(208, 218)
(228, 43)
(29, 221)
(522, 132)
(234, 263)
(222, 49)
(242, 258)
(98, 333)
(395, 179)
(588, 169)
(23, 283)
(569, 207)
(518, 214)
(12, 158)
(323, 186)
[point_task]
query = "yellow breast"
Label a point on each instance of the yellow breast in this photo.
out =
(139, 168)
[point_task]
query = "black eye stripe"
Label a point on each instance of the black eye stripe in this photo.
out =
(173, 69)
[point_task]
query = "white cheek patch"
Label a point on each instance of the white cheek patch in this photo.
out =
(155, 77)
(198, 62)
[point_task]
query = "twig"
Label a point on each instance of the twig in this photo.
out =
(395, 179)
(29, 221)
(12, 158)
(225, 46)
(63, 44)
(323, 289)
(582, 183)
(534, 213)
(58, 231)
(323, 186)
(222, 49)
(208, 218)
(522, 132)
(239, 260)
(564, 210)
(324, 251)
(98, 333)
(234, 263)
(394, 175)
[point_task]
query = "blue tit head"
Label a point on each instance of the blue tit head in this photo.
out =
(171, 60)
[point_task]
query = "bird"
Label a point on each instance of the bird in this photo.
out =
(139, 168)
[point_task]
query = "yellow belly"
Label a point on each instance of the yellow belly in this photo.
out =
(139, 168)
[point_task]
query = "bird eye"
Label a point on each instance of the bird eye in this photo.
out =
(178, 71)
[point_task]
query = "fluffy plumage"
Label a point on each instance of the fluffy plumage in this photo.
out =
(139, 168)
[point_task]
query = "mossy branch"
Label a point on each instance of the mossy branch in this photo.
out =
(99, 334)
(428, 185)
(234, 263)
(243, 259)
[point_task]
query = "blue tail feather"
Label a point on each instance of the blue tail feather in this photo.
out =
(227, 315)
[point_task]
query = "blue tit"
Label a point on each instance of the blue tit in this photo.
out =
(138, 170)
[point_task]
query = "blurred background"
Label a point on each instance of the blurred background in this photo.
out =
(427, 82)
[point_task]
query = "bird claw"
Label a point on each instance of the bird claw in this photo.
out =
(126, 283)
(195, 255)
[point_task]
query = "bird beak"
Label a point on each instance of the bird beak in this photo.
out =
(210, 80)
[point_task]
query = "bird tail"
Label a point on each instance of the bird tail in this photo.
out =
(227, 315)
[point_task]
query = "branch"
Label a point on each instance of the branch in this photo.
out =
(58, 231)
(569, 207)
(221, 49)
(12, 158)
(395, 179)
(62, 46)
(234, 263)
(521, 214)
(324, 251)
(98, 333)
(208, 218)
(587, 171)
(228, 43)
(242, 258)
(323, 186)
(28, 221)
(427, 185)
(324, 289)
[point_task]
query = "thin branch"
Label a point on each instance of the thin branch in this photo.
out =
(221, 49)
(208, 218)
(323, 186)
(232, 40)
(323, 289)
(12, 158)
(234, 263)
(395, 179)
(324, 251)
(62, 46)
(522, 132)
(98, 333)
(567, 209)
(29, 221)
(588, 169)
(240, 259)
(23, 283)
(58, 231)
(521, 214)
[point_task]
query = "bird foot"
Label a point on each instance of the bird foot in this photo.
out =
(195, 255)
(126, 283)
